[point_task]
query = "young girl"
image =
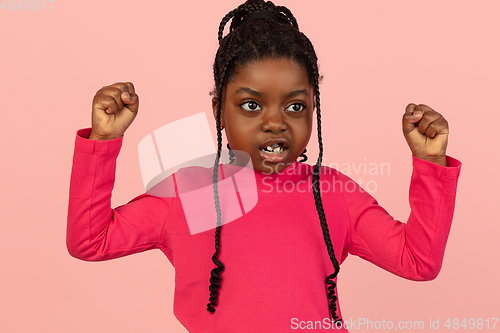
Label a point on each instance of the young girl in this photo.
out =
(275, 268)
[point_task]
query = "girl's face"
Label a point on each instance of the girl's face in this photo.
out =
(268, 103)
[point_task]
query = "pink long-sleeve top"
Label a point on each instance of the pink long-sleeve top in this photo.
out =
(275, 256)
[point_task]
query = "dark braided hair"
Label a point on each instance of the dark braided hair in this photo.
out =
(260, 30)
(304, 156)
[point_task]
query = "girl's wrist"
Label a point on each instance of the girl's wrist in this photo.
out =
(93, 136)
(441, 160)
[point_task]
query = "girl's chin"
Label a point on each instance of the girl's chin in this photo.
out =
(267, 167)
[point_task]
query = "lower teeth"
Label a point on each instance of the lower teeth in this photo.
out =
(273, 152)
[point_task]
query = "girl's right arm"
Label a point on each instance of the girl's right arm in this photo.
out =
(95, 231)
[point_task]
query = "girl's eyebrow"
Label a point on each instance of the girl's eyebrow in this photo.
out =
(290, 94)
(248, 91)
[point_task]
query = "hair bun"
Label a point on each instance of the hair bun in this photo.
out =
(262, 14)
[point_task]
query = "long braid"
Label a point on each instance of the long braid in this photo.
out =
(267, 38)
(215, 278)
(321, 212)
(317, 193)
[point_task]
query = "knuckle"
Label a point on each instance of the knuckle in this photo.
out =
(99, 100)
(111, 91)
(115, 89)
(105, 99)
(122, 86)
(101, 91)
(410, 106)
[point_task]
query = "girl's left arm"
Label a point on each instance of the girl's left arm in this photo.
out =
(413, 250)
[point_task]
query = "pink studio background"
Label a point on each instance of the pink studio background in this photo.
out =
(376, 58)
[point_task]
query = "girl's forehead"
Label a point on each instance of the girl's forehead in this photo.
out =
(269, 70)
(267, 63)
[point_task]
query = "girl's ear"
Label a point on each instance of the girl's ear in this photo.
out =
(214, 109)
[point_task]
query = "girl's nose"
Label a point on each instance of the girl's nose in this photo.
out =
(273, 121)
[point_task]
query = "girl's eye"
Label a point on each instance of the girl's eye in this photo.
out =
(250, 106)
(296, 107)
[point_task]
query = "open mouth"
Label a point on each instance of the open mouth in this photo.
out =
(276, 148)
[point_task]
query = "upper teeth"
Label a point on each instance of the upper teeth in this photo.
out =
(278, 148)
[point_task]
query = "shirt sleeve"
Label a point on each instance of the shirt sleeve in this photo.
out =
(95, 231)
(413, 250)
